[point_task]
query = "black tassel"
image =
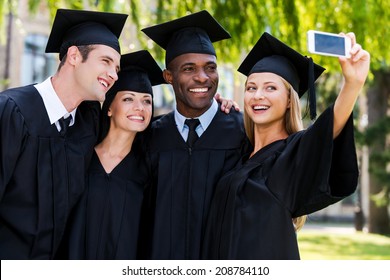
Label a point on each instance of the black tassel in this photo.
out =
(312, 93)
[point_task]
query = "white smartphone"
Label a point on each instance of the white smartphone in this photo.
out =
(325, 43)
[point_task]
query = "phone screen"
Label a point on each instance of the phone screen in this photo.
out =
(329, 44)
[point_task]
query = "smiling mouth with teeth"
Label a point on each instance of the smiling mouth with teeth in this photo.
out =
(200, 90)
(260, 108)
(138, 118)
(103, 83)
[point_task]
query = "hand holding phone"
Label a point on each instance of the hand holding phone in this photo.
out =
(330, 44)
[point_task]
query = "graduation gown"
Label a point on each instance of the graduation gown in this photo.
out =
(252, 211)
(184, 180)
(42, 174)
(106, 221)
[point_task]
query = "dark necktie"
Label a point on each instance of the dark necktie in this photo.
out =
(64, 123)
(192, 135)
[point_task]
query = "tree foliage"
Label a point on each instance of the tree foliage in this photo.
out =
(246, 20)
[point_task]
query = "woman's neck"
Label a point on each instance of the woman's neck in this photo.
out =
(264, 136)
(114, 148)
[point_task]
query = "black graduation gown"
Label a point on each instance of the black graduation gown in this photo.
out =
(252, 210)
(184, 180)
(42, 174)
(106, 221)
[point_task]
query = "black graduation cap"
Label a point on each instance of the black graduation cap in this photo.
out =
(271, 55)
(79, 27)
(139, 72)
(189, 34)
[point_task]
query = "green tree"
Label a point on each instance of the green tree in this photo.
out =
(6, 8)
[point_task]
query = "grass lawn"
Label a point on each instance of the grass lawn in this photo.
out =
(315, 245)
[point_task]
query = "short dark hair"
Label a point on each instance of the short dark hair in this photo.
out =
(84, 50)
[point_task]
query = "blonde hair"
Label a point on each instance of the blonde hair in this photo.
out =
(293, 123)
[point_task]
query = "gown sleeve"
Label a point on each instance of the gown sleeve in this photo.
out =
(316, 170)
(12, 131)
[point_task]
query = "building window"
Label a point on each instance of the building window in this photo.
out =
(36, 64)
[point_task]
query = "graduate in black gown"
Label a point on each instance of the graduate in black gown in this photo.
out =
(105, 224)
(43, 160)
(290, 172)
(185, 174)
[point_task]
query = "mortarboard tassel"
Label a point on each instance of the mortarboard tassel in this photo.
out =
(312, 93)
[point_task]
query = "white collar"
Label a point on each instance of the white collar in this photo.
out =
(54, 107)
(205, 119)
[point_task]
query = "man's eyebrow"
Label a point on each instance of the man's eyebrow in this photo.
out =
(188, 63)
(112, 60)
(194, 63)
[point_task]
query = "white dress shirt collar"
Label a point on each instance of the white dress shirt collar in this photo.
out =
(205, 120)
(54, 107)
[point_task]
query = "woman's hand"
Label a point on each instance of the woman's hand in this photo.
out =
(226, 104)
(355, 69)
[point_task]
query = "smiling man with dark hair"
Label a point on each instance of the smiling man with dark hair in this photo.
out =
(48, 131)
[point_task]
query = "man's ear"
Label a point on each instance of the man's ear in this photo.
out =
(167, 76)
(73, 54)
